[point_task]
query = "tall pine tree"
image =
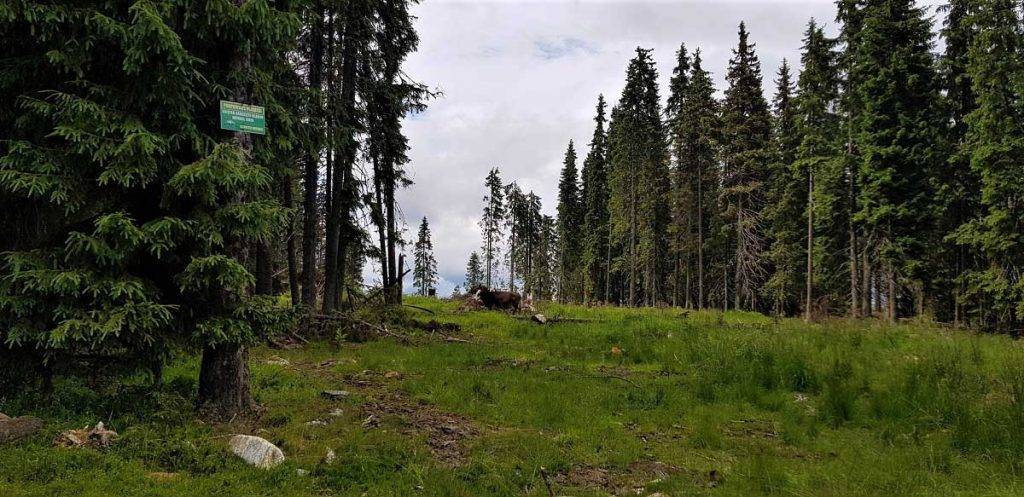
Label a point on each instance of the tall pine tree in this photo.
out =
(570, 219)
(424, 272)
(746, 153)
(491, 224)
(898, 135)
(596, 257)
(995, 144)
(638, 182)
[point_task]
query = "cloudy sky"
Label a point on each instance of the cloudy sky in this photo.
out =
(521, 78)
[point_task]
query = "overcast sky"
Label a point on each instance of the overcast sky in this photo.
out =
(520, 79)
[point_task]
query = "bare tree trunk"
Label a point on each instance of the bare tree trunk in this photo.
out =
(293, 264)
(342, 190)
(891, 298)
(224, 385)
(311, 178)
(737, 291)
(854, 297)
(809, 278)
(700, 241)
(607, 267)
(264, 269)
(866, 296)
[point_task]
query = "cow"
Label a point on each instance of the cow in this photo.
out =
(507, 301)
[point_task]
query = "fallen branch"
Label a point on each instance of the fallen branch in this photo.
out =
(544, 477)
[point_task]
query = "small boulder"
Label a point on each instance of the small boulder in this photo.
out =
(12, 429)
(277, 361)
(334, 394)
(336, 412)
(256, 451)
(329, 456)
(540, 319)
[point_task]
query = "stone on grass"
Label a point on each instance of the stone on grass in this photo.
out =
(329, 456)
(256, 451)
(12, 429)
(334, 394)
(540, 318)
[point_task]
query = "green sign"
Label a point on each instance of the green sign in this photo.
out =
(241, 117)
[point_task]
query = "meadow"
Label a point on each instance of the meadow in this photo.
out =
(599, 401)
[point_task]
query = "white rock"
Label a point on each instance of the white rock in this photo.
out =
(256, 451)
(336, 412)
(334, 394)
(329, 456)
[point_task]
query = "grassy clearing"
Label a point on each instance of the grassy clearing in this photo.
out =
(701, 404)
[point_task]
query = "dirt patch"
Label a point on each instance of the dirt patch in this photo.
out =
(750, 428)
(499, 363)
(446, 432)
(585, 477)
(621, 481)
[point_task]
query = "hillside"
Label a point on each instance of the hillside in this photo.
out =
(614, 401)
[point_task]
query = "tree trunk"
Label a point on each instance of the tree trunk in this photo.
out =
(809, 278)
(264, 269)
(224, 381)
(891, 297)
(700, 242)
(854, 297)
(293, 263)
(311, 178)
(866, 296)
(737, 295)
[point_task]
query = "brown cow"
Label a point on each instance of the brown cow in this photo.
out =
(508, 301)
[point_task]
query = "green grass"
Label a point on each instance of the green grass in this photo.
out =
(773, 408)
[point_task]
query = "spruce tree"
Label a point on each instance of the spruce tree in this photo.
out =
(697, 161)
(570, 219)
(785, 202)
(995, 142)
(491, 224)
(425, 266)
(638, 181)
(746, 152)
(821, 170)
(521, 221)
(595, 263)
(474, 272)
(545, 269)
(681, 196)
(899, 134)
(959, 187)
(146, 210)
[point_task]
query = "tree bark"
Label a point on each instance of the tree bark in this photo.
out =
(293, 263)
(809, 278)
(700, 242)
(866, 296)
(891, 297)
(264, 269)
(224, 386)
(311, 178)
